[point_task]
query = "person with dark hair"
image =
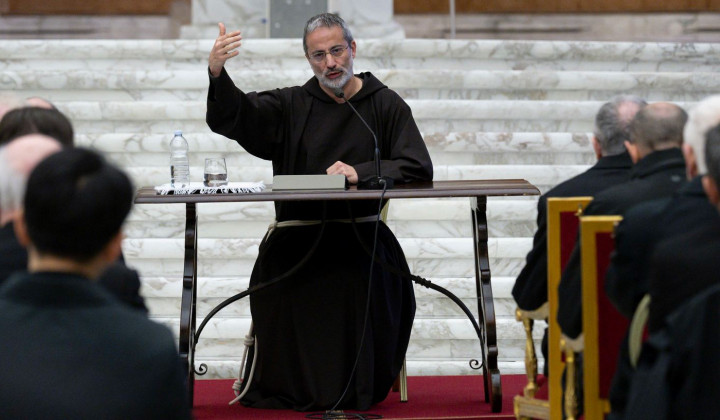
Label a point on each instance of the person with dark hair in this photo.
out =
(310, 326)
(63, 332)
(32, 119)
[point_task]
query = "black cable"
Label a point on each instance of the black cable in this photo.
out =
(425, 283)
(365, 321)
(259, 287)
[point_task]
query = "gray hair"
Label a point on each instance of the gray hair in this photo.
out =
(12, 185)
(712, 153)
(326, 20)
(702, 117)
(612, 123)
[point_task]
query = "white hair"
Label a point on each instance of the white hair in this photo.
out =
(12, 185)
(704, 116)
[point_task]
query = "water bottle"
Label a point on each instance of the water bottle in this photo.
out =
(179, 163)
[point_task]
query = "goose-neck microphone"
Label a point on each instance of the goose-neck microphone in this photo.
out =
(378, 182)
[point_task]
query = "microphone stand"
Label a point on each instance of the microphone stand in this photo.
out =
(378, 182)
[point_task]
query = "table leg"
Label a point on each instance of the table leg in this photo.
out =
(189, 297)
(486, 307)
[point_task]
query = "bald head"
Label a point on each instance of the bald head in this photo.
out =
(17, 159)
(657, 126)
(39, 102)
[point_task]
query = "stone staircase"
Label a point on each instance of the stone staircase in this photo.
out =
(487, 109)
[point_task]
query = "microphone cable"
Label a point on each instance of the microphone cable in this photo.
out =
(333, 414)
(430, 285)
(261, 286)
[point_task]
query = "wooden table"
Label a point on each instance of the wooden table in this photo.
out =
(476, 191)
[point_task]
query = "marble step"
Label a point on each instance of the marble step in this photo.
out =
(184, 85)
(162, 295)
(446, 218)
(372, 54)
(425, 267)
(442, 116)
(160, 228)
(459, 142)
(464, 148)
(414, 248)
(539, 175)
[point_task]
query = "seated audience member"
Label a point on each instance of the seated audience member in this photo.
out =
(684, 265)
(70, 349)
(613, 167)
(646, 224)
(658, 171)
(677, 372)
(30, 119)
(17, 159)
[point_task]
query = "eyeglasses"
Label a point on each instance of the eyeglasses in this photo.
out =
(319, 56)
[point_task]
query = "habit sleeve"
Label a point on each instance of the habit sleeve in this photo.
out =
(404, 156)
(254, 120)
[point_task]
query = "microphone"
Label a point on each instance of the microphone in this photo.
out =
(378, 182)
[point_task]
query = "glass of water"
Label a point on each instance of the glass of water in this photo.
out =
(215, 172)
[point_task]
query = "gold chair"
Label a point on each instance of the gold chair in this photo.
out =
(603, 326)
(562, 228)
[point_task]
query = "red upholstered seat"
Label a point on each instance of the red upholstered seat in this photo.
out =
(603, 326)
(542, 397)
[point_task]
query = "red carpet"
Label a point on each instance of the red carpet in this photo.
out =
(429, 397)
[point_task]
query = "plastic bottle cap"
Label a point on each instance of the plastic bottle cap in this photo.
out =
(178, 132)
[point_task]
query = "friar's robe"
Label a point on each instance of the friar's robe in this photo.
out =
(313, 325)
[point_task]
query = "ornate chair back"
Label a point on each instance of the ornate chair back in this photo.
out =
(603, 326)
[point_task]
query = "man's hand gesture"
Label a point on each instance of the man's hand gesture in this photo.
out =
(224, 48)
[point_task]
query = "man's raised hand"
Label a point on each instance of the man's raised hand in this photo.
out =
(225, 47)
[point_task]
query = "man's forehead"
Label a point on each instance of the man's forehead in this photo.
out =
(323, 38)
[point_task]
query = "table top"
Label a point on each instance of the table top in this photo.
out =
(437, 189)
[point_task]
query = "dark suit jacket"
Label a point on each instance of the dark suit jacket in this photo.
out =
(70, 350)
(642, 228)
(13, 256)
(120, 280)
(678, 368)
(680, 268)
(530, 289)
(657, 175)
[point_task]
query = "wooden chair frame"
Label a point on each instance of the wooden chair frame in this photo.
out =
(595, 407)
(527, 406)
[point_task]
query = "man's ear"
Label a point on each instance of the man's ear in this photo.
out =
(113, 249)
(633, 150)
(596, 147)
(691, 168)
(353, 45)
(20, 229)
(711, 189)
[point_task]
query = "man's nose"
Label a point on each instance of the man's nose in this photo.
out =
(330, 61)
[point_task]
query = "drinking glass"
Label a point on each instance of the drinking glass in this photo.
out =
(215, 172)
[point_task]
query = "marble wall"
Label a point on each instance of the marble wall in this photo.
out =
(366, 18)
(486, 109)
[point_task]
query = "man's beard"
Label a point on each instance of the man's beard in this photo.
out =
(337, 83)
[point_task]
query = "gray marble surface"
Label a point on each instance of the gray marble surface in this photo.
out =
(486, 109)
